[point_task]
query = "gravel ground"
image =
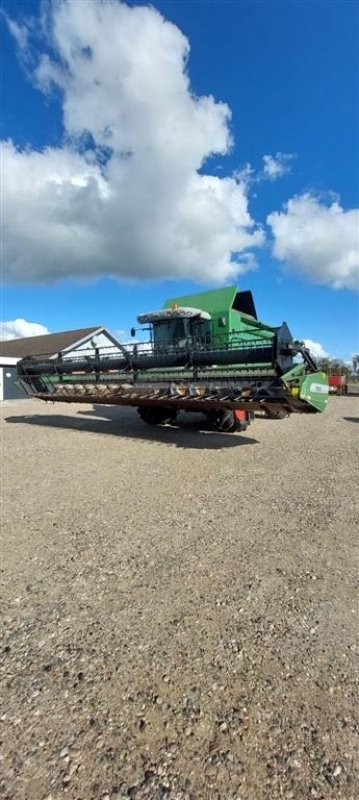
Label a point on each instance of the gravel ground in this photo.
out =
(180, 607)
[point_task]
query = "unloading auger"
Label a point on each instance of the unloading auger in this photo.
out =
(205, 352)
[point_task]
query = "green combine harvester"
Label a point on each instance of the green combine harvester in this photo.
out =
(205, 352)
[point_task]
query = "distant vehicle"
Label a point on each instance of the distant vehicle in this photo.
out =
(337, 384)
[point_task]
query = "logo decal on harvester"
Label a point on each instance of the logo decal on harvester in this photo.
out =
(321, 388)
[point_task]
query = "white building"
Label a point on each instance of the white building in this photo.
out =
(68, 343)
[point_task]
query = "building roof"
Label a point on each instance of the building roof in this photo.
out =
(48, 345)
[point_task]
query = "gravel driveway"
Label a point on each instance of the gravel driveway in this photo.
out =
(179, 606)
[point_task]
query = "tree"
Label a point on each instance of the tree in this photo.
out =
(334, 366)
(355, 363)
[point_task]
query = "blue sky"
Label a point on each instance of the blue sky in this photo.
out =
(141, 180)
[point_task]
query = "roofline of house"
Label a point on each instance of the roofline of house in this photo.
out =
(12, 360)
(9, 361)
(85, 339)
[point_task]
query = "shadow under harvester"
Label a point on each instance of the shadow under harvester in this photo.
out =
(191, 433)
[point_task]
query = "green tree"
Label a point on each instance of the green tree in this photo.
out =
(334, 366)
(355, 365)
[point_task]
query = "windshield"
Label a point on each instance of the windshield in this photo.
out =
(171, 332)
(180, 333)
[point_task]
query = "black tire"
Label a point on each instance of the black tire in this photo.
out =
(157, 416)
(225, 421)
(277, 414)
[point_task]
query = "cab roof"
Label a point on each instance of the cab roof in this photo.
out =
(218, 301)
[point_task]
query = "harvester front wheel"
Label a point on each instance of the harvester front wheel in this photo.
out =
(276, 414)
(226, 421)
(157, 416)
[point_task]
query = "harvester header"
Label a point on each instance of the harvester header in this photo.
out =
(204, 352)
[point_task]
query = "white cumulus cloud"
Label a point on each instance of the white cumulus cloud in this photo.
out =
(276, 166)
(20, 328)
(317, 350)
(126, 194)
(317, 240)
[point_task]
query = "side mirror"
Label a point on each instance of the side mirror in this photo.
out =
(133, 331)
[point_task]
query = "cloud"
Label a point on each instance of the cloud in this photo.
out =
(276, 166)
(318, 241)
(20, 328)
(19, 32)
(317, 350)
(120, 334)
(127, 194)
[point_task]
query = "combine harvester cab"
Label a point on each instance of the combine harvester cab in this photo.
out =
(206, 352)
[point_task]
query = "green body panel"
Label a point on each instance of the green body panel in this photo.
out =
(225, 319)
(314, 389)
(292, 376)
(248, 327)
(216, 301)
